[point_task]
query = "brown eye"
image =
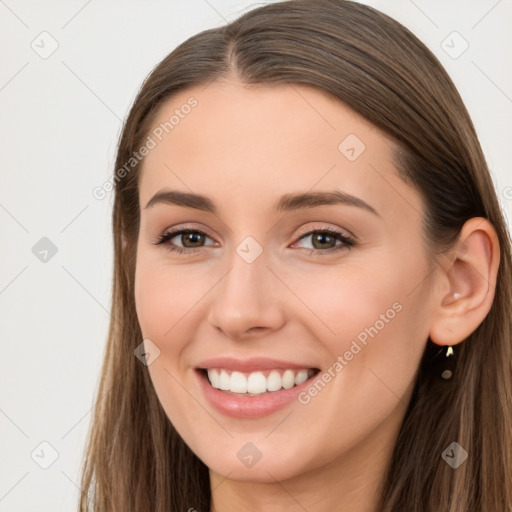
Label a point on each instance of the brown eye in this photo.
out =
(195, 238)
(324, 241)
(190, 240)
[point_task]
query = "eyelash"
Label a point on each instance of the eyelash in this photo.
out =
(347, 241)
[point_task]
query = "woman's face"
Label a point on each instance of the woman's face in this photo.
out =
(263, 289)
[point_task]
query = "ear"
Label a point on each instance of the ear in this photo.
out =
(467, 283)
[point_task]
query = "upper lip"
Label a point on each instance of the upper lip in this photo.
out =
(250, 365)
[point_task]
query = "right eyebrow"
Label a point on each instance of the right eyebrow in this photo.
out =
(186, 199)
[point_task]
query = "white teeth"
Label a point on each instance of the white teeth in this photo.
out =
(238, 383)
(288, 379)
(223, 379)
(274, 381)
(214, 377)
(302, 376)
(256, 383)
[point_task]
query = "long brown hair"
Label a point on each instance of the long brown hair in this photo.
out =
(135, 460)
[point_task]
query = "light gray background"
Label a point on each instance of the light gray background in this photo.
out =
(60, 118)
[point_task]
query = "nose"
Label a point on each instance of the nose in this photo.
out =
(245, 303)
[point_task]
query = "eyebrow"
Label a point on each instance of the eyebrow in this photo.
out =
(286, 203)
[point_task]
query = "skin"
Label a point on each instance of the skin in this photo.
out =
(244, 148)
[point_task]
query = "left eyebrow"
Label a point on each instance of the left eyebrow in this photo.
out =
(287, 202)
(290, 202)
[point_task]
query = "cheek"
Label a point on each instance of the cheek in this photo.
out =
(344, 300)
(372, 319)
(165, 299)
(164, 295)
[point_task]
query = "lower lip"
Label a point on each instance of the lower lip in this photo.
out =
(249, 407)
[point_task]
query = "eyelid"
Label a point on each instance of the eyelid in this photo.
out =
(325, 227)
(187, 227)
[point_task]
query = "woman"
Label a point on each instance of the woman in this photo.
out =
(311, 302)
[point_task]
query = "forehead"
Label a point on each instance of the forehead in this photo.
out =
(260, 142)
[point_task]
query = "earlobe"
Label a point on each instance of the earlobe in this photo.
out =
(469, 283)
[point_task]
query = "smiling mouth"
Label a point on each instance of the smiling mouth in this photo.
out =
(256, 383)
